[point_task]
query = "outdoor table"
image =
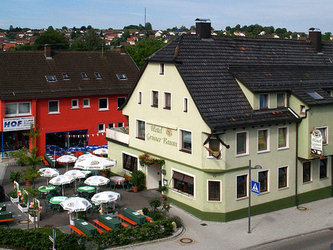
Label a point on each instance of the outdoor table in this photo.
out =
(117, 179)
(6, 215)
(46, 189)
(86, 189)
(85, 227)
(109, 221)
(134, 216)
(58, 199)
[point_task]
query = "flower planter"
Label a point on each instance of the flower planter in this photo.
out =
(135, 189)
(14, 200)
(23, 209)
(33, 219)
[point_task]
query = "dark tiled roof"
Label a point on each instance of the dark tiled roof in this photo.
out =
(22, 74)
(204, 66)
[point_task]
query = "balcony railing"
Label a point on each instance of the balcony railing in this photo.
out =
(118, 134)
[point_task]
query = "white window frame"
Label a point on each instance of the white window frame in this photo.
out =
(247, 143)
(17, 108)
(268, 141)
(208, 200)
(247, 187)
(101, 131)
(77, 101)
(107, 104)
(287, 139)
(164, 100)
(122, 162)
(152, 98)
(277, 186)
(180, 144)
(140, 97)
(325, 127)
(137, 129)
(268, 180)
(180, 192)
(53, 112)
(86, 106)
(185, 105)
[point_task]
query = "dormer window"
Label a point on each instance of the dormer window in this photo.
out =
(84, 76)
(51, 78)
(65, 76)
(121, 76)
(281, 100)
(98, 75)
(263, 101)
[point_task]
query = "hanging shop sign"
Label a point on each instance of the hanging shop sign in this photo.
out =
(316, 142)
(16, 124)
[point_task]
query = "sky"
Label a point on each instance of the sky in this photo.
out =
(295, 15)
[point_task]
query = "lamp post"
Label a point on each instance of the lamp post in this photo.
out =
(249, 209)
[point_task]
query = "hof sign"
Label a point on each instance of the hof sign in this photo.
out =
(16, 124)
(316, 142)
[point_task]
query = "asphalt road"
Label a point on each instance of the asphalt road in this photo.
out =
(317, 240)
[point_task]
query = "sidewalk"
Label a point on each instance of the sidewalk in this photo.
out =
(233, 235)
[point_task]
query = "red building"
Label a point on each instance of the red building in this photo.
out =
(71, 97)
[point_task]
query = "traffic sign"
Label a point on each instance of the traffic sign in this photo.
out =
(255, 187)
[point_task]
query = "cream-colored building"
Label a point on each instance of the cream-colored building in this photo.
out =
(207, 106)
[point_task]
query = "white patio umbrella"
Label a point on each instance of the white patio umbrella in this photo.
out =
(61, 180)
(106, 197)
(76, 174)
(67, 159)
(75, 204)
(101, 151)
(85, 156)
(96, 181)
(48, 173)
(94, 163)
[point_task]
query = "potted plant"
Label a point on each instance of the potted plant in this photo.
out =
(30, 175)
(20, 156)
(34, 211)
(15, 176)
(146, 160)
(14, 197)
(138, 180)
(23, 204)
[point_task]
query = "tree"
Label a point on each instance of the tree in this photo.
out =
(90, 41)
(148, 26)
(64, 28)
(144, 49)
(52, 37)
(89, 27)
(326, 36)
(83, 28)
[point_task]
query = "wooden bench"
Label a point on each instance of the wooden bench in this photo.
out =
(124, 224)
(6, 220)
(97, 222)
(98, 230)
(45, 162)
(149, 219)
(76, 230)
(122, 217)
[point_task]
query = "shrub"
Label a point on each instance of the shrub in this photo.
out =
(178, 221)
(15, 176)
(138, 179)
(155, 203)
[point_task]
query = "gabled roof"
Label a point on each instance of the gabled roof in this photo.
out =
(22, 74)
(204, 65)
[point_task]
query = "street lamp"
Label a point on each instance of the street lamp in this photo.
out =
(249, 209)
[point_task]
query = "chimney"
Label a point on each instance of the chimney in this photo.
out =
(47, 51)
(203, 28)
(315, 38)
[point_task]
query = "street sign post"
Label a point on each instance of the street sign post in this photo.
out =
(255, 187)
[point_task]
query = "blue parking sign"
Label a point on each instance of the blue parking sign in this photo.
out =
(255, 187)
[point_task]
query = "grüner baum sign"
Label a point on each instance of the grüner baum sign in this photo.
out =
(163, 135)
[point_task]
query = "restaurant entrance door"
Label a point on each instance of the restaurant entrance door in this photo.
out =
(154, 177)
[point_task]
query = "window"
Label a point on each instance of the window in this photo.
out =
(282, 177)
(154, 97)
(214, 190)
(120, 102)
(51, 78)
(161, 68)
(139, 97)
(315, 95)
(306, 172)
(86, 103)
(111, 125)
(65, 76)
(323, 131)
(130, 162)
(101, 127)
(263, 101)
(283, 137)
(214, 146)
(103, 104)
(281, 100)
(302, 109)
(323, 168)
(185, 105)
(120, 124)
(241, 143)
(167, 100)
(97, 75)
(141, 130)
(121, 76)
(17, 108)
(186, 141)
(75, 104)
(242, 186)
(262, 140)
(84, 76)
(263, 180)
(53, 107)
(183, 183)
